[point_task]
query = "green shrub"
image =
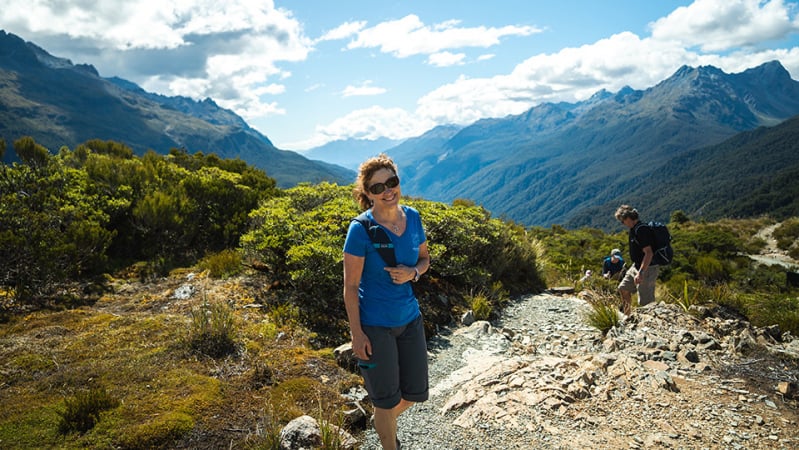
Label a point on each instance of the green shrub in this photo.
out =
(710, 268)
(212, 329)
(771, 310)
(299, 237)
(787, 233)
(568, 254)
(82, 410)
(285, 315)
(55, 232)
(223, 264)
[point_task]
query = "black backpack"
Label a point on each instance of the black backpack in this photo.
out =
(381, 241)
(663, 253)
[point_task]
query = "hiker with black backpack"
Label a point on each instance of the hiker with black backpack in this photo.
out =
(643, 273)
(384, 252)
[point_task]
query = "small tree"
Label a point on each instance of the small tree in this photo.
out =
(31, 153)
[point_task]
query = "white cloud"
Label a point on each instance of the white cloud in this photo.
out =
(575, 73)
(144, 24)
(365, 89)
(719, 25)
(368, 123)
(410, 36)
(314, 87)
(569, 75)
(446, 59)
(343, 31)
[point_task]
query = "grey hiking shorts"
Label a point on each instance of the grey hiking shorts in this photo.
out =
(646, 290)
(397, 368)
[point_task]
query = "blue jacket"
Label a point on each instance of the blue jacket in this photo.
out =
(610, 266)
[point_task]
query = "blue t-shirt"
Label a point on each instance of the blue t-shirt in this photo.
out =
(381, 302)
(609, 266)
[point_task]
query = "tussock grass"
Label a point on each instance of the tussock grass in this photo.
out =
(82, 410)
(212, 329)
(603, 312)
(480, 306)
(684, 300)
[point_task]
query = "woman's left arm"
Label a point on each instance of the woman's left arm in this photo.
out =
(423, 263)
(403, 274)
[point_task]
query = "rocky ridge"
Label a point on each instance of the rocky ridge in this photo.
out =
(541, 378)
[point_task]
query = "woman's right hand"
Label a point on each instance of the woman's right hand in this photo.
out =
(361, 346)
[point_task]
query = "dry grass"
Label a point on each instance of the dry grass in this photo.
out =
(135, 345)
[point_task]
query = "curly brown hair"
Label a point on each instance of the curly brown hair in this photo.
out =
(365, 172)
(626, 211)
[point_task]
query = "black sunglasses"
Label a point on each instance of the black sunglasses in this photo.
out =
(378, 188)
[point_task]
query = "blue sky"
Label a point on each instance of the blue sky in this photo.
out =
(306, 72)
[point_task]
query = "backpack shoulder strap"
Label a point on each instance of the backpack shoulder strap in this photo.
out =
(365, 221)
(381, 241)
(634, 230)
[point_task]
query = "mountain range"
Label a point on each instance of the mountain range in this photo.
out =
(703, 141)
(350, 153)
(62, 104)
(574, 163)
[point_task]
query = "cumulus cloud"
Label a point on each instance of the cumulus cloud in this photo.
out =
(343, 31)
(446, 59)
(571, 74)
(410, 36)
(719, 25)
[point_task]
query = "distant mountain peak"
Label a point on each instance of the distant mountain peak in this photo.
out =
(20, 51)
(773, 71)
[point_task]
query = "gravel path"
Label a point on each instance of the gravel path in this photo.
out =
(453, 357)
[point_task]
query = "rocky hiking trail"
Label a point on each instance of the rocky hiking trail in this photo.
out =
(540, 378)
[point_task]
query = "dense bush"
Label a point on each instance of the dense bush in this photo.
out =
(787, 234)
(569, 253)
(85, 212)
(299, 237)
(53, 224)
